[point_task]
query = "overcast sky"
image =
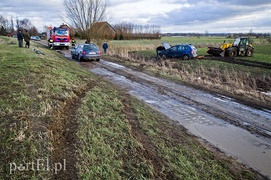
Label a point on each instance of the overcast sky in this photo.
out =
(196, 16)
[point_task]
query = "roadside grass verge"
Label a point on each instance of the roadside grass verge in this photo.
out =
(34, 87)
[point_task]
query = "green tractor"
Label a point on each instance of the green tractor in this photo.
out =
(241, 46)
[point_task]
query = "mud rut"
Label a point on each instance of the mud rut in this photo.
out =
(63, 126)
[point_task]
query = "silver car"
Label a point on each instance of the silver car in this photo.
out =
(86, 52)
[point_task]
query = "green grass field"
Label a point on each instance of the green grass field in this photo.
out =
(51, 108)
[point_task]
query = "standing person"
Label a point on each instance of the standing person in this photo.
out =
(26, 37)
(105, 46)
(20, 38)
(51, 43)
(73, 42)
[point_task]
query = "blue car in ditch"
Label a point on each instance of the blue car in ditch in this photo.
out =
(86, 52)
(184, 51)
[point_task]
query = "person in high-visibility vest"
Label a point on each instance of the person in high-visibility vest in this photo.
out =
(73, 42)
(51, 43)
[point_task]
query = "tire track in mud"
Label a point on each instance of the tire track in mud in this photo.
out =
(149, 150)
(63, 126)
(239, 61)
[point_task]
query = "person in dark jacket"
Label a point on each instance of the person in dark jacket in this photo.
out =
(105, 46)
(73, 42)
(26, 37)
(20, 38)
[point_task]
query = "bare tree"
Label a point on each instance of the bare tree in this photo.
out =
(83, 13)
(25, 24)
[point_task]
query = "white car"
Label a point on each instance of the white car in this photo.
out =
(35, 38)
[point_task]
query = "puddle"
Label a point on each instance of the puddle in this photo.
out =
(248, 148)
(268, 93)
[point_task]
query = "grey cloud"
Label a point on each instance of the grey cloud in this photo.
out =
(203, 13)
(231, 2)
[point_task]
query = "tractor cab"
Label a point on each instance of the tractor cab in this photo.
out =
(242, 44)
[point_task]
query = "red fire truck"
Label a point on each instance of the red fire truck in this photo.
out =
(58, 37)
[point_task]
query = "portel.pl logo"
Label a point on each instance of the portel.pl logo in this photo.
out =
(38, 165)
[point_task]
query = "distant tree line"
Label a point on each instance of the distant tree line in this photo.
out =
(130, 31)
(12, 26)
(227, 35)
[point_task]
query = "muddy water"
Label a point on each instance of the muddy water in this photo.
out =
(173, 101)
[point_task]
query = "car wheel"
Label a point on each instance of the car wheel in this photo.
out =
(163, 56)
(79, 57)
(186, 57)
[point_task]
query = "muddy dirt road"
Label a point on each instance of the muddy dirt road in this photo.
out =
(239, 130)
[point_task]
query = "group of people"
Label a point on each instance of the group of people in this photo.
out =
(23, 36)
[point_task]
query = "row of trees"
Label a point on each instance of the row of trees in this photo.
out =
(11, 26)
(127, 30)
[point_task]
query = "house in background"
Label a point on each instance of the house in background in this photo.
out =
(102, 30)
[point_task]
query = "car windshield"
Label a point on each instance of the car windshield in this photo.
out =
(90, 47)
(61, 32)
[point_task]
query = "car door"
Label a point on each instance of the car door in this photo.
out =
(179, 51)
(74, 50)
(79, 50)
(172, 52)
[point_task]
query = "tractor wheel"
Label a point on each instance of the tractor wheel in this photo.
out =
(249, 52)
(232, 53)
